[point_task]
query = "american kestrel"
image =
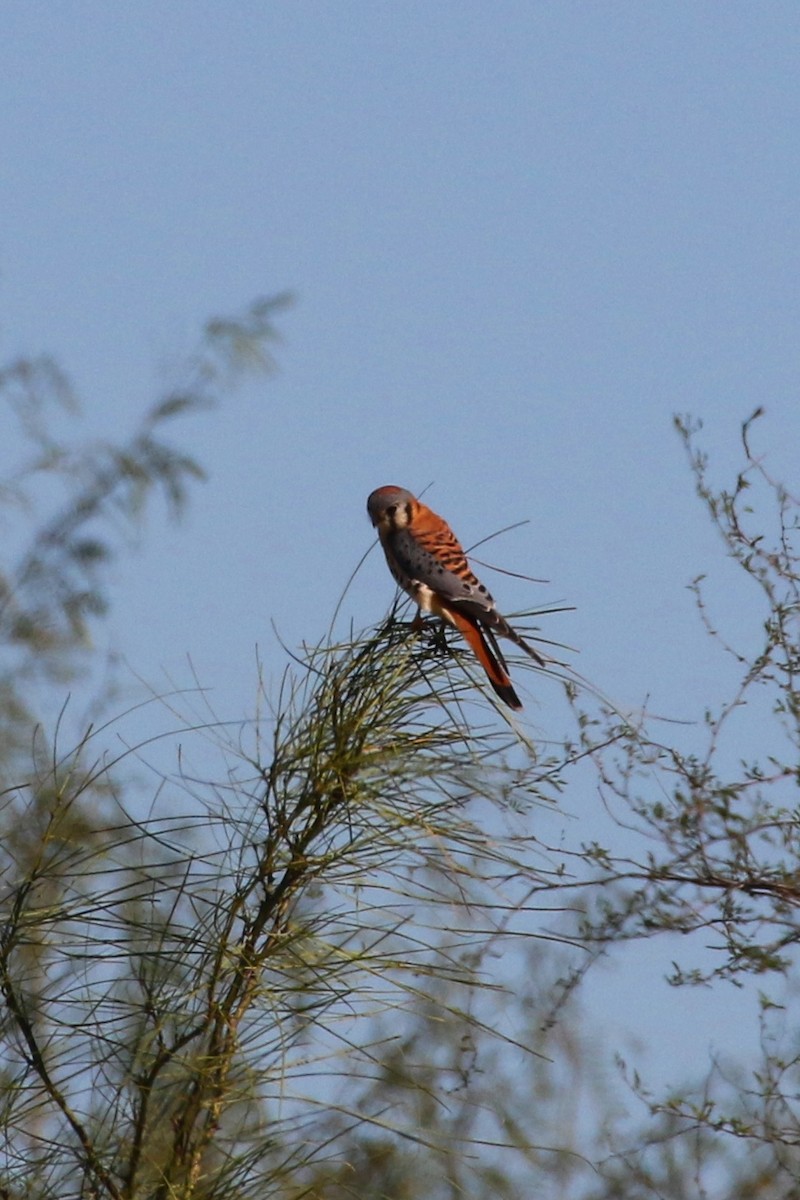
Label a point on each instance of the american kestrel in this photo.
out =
(428, 562)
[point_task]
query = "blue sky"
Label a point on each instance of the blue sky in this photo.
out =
(521, 236)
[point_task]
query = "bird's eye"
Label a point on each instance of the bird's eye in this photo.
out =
(391, 510)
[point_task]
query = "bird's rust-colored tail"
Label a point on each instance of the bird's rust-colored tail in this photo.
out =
(491, 662)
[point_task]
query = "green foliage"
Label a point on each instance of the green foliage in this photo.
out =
(97, 493)
(720, 823)
(338, 881)
(717, 832)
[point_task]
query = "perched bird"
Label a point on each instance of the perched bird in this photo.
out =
(428, 562)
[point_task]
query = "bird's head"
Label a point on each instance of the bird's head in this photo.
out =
(390, 507)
